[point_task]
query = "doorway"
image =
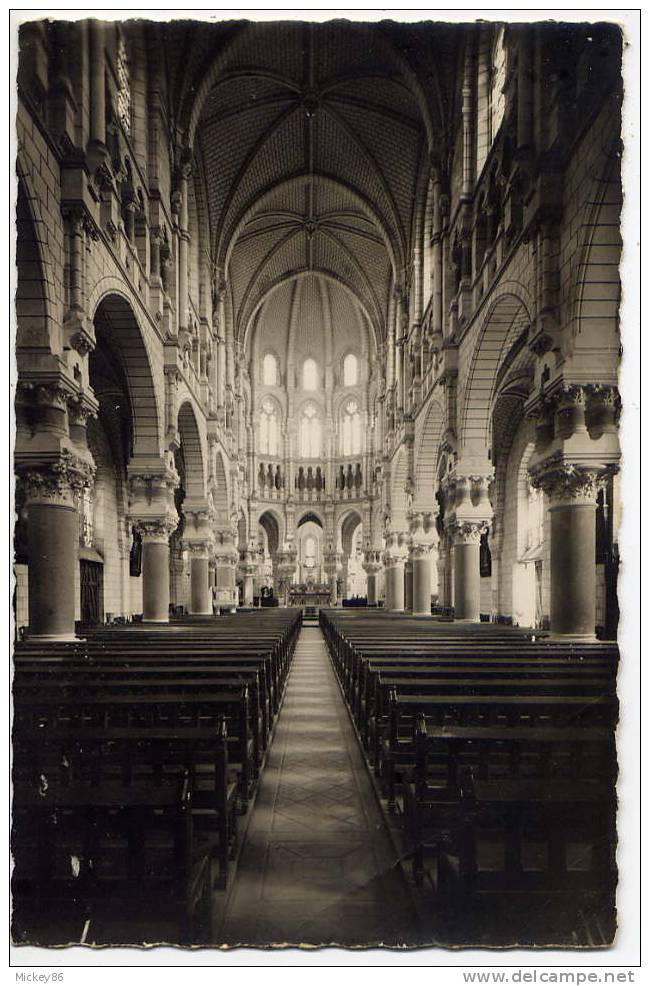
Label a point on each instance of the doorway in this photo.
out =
(92, 591)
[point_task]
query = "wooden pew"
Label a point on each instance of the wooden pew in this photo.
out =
(528, 859)
(30, 686)
(167, 713)
(91, 853)
(444, 755)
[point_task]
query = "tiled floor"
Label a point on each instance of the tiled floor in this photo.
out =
(317, 866)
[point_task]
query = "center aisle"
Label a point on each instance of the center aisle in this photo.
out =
(317, 866)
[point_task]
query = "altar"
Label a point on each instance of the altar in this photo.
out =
(309, 594)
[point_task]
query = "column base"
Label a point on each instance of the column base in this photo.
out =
(43, 638)
(156, 621)
(424, 613)
(578, 638)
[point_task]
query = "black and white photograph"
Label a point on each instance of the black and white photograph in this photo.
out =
(316, 332)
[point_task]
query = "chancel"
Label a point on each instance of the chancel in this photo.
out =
(317, 483)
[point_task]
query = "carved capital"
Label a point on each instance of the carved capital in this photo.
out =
(53, 395)
(420, 550)
(372, 563)
(79, 410)
(156, 529)
(58, 482)
(198, 548)
(470, 532)
(568, 484)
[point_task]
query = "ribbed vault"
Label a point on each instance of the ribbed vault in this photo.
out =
(310, 316)
(310, 140)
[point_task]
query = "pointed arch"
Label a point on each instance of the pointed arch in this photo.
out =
(273, 528)
(427, 456)
(193, 457)
(503, 325)
(220, 490)
(116, 322)
(348, 524)
(398, 495)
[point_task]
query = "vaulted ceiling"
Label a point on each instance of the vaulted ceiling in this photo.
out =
(312, 141)
(310, 316)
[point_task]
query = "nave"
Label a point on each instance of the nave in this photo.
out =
(317, 866)
(381, 779)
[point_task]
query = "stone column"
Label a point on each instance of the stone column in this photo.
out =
(467, 580)
(97, 84)
(227, 559)
(408, 585)
(200, 591)
(394, 572)
(184, 240)
(155, 569)
(571, 493)
(53, 544)
(372, 567)
(423, 536)
(153, 512)
(198, 538)
(249, 571)
(421, 562)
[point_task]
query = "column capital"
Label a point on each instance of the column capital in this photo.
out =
(469, 532)
(420, 550)
(56, 482)
(372, 563)
(198, 548)
(155, 529)
(151, 488)
(466, 496)
(568, 483)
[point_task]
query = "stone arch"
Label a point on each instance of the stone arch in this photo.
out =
(309, 529)
(193, 456)
(273, 528)
(115, 319)
(220, 490)
(348, 524)
(515, 589)
(36, 326)
(313, 516)
(426, 456)
(398, 493)
(504, 323)
(596, 294)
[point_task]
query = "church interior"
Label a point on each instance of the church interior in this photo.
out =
(317, 483)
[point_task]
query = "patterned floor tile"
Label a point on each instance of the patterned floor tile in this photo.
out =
(317, 867)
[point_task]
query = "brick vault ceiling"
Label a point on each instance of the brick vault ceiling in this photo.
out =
(311, 143)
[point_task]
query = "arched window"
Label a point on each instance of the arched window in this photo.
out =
(350, 370)
(310, 433)
(498, 81)
(351, 429)
(270, 371)
(309, 375)
(269, 428)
